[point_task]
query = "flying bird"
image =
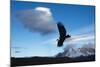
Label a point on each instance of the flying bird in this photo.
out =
(62, 33)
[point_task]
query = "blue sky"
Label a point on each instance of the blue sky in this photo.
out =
(77, 19)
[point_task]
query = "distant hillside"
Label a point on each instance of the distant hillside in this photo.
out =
(48, 60)
(73, 52)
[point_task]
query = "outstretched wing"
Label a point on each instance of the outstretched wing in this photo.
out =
(62, 30)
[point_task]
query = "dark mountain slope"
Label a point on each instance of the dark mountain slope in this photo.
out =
(48, 60)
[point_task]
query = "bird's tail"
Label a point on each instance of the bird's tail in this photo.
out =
(68, 36)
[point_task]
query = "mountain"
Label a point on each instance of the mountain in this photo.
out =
(72, 52)
(26, 61)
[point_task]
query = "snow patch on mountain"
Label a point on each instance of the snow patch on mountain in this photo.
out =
(73, 51)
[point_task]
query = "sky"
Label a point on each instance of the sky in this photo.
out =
(34, 31)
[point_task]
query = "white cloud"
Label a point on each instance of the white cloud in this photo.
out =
(82, 38)
(38, 20)
(44, 9)
(76, 40)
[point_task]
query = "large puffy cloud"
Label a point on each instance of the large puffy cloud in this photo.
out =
(38, 20)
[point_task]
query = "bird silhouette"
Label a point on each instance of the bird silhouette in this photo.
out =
(62, 33)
